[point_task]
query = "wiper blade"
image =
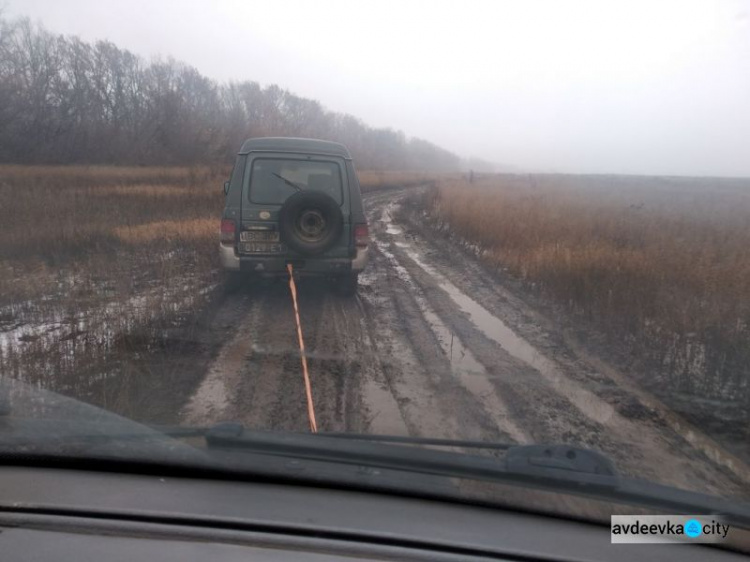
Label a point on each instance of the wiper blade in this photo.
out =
(556, 468)
(420, 441)
(288, 182)
(520, 462)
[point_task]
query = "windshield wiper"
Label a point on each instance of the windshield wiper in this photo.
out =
(556, 468)
(288, 182)
(420, 441)
(561, 463)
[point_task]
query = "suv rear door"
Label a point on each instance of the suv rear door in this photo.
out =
(267, 184)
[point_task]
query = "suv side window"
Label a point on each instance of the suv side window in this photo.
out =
(235, 180)
(272, 180)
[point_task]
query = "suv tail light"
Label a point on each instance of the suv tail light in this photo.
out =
(361, 235)
(227, 231)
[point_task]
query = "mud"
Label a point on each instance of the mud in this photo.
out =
(434, 346)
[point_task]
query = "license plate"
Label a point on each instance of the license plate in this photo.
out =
(262, 248)
(259, 236)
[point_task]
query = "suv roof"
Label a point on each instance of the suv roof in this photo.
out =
(287, 144)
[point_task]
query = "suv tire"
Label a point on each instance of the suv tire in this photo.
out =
(310, 222)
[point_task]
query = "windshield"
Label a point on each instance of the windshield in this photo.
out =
(272, 180)
(501, 224)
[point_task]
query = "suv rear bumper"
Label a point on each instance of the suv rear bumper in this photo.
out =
(266, 265)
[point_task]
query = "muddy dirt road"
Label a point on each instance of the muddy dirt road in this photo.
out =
(434, 346)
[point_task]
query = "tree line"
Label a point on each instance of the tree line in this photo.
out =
(64, 100)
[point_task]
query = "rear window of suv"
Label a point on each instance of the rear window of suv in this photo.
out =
(272, 180)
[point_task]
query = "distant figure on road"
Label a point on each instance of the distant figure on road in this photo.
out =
(471, 176)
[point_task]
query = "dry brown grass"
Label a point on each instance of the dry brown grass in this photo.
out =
(59, 213)
(136, 190)
(165, 232)
(662, 262)
(97, 176)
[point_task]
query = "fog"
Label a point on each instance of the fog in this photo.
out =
(595, 87)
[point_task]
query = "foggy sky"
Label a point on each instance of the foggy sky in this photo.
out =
(652, 87)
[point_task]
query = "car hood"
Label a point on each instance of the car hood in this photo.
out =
(35, 421)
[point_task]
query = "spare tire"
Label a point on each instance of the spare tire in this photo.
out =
(310, 222)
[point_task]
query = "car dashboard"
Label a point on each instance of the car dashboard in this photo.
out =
(61, 514)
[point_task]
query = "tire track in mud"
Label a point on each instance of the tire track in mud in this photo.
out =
(213, 398)
(406, 357)
(277, 402)
(432, 400)
(468, 409)
(540, 388)
(438, 395)
(335, 371)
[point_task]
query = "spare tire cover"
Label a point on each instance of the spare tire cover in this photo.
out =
(310, 222)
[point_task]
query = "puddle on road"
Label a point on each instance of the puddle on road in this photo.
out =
(471, 372)
(386, 418)
(464, 365)
(461, 359)
(400, 270)
(496, 330)
(490, 325)
(211, 400)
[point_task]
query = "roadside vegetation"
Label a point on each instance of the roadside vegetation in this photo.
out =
(661, 265)
(371, 180)
(98, 264)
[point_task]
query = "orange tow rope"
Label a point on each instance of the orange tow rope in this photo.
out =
(305, 374)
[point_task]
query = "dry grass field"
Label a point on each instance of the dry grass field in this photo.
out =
(370, 180)
(662, 264)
